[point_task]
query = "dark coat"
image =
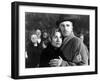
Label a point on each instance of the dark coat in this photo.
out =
(75, 52)
(33, 53)
(49, 53)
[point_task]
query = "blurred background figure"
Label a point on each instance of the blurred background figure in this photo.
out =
(45, 35)
(81, 37)
(34, 39)
(38, 33)
(39, 38)
(33, 52)
(45, 39)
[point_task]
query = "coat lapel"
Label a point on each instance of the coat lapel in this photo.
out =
(66, 40)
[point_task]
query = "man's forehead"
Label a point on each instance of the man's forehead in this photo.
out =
(66, 22)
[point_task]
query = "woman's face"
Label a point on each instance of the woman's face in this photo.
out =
(57, 39)
(38, 33)
(45, 35)
(34, 38)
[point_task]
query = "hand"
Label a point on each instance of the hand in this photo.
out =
(26, 56)
(43, 45)
(55, 62)
(77, 58)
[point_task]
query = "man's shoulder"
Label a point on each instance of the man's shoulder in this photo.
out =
(76, 40)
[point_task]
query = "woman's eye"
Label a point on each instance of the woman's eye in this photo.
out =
(55, 37)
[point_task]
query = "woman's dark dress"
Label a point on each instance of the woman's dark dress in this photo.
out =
(49, 53)
(33, 53)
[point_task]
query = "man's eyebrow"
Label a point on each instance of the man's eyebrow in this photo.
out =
(67, 24)
(62, 24)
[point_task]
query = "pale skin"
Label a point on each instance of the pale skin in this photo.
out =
(56, 42)
(34, 41)
(38, 33)
(66, 28)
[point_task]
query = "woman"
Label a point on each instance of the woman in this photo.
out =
(53, 50)
(38, 33)
(33, 52)
(45, 40)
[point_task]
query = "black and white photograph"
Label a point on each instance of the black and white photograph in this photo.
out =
(56, 40)
(53, 40)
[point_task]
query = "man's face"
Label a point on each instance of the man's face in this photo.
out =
(38, 33)
(57, 39)
(66, 28)
(45, 35)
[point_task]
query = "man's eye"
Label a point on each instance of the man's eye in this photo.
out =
(67, 25)
(62, 25)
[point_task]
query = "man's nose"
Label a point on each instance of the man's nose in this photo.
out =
(58, 39)
(64, 27)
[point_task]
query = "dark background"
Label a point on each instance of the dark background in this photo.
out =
(47, 21)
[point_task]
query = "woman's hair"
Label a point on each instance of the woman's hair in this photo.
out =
(54, 30)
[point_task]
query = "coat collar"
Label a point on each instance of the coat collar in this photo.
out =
(66, 40)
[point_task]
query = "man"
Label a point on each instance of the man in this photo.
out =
(38, 33)
(73, 48)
